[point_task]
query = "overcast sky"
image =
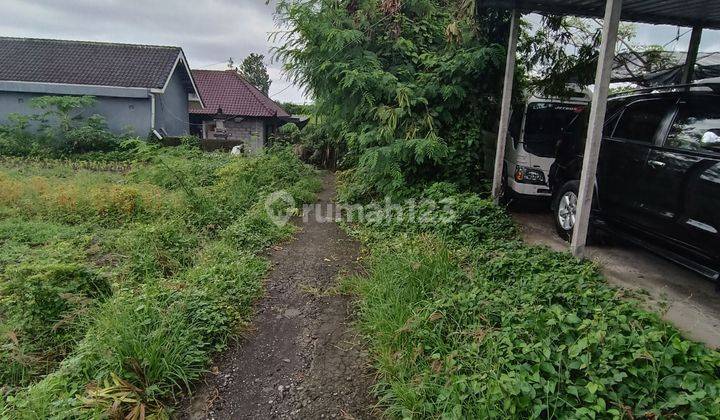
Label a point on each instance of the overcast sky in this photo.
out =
(209, 31)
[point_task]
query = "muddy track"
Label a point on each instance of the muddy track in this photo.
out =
(302, 358)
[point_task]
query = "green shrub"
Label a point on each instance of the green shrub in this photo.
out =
(16, 138)
(465, 321)
(43, 309)
(56, 130)
(231, 282)
(279, 168)
(255, 230)
(459, 218)
(190, 142)
(36, 232)
(92, 136)
(131, 278)
(288, 134)
(156, 250)
(187, 170)
(403, 90)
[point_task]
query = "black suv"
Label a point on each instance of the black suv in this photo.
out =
(658, 178)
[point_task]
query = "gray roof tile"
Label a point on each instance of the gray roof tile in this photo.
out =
(85, 63)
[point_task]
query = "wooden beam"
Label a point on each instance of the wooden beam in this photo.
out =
(505, 105)
(692, 55)
(613, 9)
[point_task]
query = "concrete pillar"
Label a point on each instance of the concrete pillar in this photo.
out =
(505, 105)
(692, 55)
(611, 24)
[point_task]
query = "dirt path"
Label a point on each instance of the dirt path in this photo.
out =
(303, 359)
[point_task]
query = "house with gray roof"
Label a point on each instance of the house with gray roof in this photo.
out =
(143, 89)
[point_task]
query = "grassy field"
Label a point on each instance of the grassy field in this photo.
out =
(119, 280)
(466, 321)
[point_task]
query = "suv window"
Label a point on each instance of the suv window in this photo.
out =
(641, 120)
(697, 126)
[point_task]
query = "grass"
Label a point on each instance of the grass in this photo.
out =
(466, 321)
(119, 280)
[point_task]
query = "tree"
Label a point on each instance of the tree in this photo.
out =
(254, 70)
(404, 88)
(298, 109)
(407, 91)
(565, 50)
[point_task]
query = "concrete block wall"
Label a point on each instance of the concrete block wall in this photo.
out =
(250, 132)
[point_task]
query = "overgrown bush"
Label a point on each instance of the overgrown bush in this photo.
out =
(322, 145)
(116, 286)
(42, 306)
(403, 90)
(56, 129)
(288, 134)
(465, 321)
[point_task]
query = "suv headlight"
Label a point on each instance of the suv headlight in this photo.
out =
(525, 175)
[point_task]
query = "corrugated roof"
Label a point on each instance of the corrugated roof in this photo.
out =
(630, 67)
(86, 63)
(704, 13)
(229, 91)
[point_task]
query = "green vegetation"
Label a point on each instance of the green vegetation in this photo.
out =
(254, 70)
(122, 269)
(55, 130)
(465, 321)
(119, 280)
(403, 90)
(462, 318)
(298, 109)
(407, 92)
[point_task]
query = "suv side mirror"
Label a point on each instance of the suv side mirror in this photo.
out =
(711, 139)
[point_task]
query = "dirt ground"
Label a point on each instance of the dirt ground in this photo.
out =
(684, 298)
(303, 359)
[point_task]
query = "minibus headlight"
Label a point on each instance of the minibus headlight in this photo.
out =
(527, 175)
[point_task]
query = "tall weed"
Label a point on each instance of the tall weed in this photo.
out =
(115, 287)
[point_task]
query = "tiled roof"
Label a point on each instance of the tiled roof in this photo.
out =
(235, 95)
(85, 63)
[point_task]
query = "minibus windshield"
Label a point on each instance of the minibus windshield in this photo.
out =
(549, 122)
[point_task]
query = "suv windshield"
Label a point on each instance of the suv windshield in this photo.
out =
(547, 123)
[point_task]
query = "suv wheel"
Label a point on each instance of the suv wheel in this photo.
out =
(565, 208)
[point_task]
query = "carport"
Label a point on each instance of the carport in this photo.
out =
(697, 14)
